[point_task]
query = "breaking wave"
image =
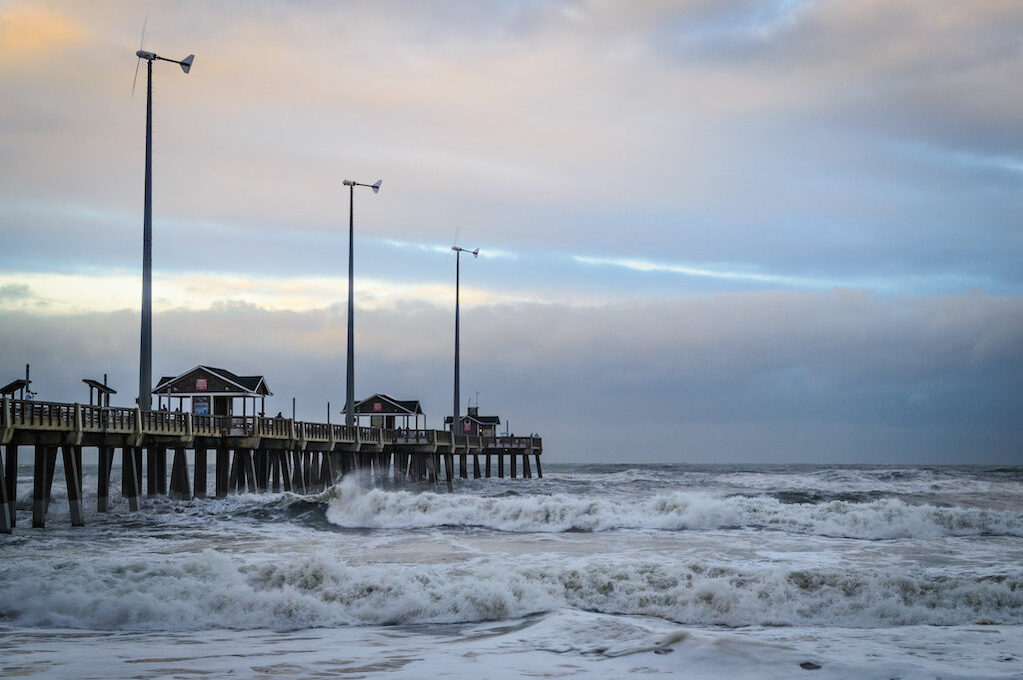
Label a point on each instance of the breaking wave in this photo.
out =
(355, 507)
(211, 590)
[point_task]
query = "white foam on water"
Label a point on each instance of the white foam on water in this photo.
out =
(211, 589)
(888, 518)
(561, 644)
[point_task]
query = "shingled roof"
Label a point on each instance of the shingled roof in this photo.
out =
(252, 384)
(402, 407)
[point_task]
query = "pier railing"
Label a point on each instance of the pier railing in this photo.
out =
(78, 420)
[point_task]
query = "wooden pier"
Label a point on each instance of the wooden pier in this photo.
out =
(252, 454)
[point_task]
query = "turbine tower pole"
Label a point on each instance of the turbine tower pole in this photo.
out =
(457, 407)
(455, 429)
(350, 358)
(145, 400)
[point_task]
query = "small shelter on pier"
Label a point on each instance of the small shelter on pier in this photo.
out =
(100, 389)
(383, 411)
(213, 391)
(18, 389)
(475, 424)
(15, 389)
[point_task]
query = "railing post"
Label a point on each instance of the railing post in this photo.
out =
(75, 436)
(6, 422)
(136, 435)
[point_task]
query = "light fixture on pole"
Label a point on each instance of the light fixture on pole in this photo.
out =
(145, 398)
(350, 373)
(457, 405)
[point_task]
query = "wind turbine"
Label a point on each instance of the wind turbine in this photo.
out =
(457, 404)
(350, 358)
(145, 399)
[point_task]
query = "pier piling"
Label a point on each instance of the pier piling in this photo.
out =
(51, 466)
(73, 478)
(5, 508)
(199, 474)
(39, 486)
(131, 475)
(11, 468)
(104, 462)
(223, 471)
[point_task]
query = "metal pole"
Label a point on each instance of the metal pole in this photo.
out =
(350, 387)
(457, 405)
(145, 399)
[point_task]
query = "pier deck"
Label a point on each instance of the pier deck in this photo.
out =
(253, 453)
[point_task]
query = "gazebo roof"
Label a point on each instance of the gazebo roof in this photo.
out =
(103, 389)
(398, 407)
(13, 387)
(224, 382)
(479, 420)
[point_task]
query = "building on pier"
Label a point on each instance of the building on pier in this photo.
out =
(475, 424)
(387, 412)
(213, 391)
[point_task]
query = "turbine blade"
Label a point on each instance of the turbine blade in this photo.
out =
(142, 40)
(137, 64)
(458, 229)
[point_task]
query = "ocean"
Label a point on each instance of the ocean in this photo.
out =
(595, 571)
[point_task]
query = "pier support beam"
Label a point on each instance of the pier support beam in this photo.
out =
(131, 475)
(51, 466)
(500, 465)
(104, 461)
(161, 470)
(525, 466)
(250, 471)
(11, 467)
(539, 471)
(199, 474)
(511, 461)
(275, 471)
(297, 482)
(73, 478)
(179, 475)
(232, 479)
(262, 468)
(39, 486)
(223, 471)
(151, 471)
(283, 458)
(488, 457)
(5, 507)
(475, 466)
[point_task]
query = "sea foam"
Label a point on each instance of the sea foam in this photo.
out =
(352, 506)
(211, 589)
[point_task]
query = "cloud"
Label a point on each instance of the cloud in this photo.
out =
(14, 291)
(29, 32)
(784, 138)
(837, 376)
(689, 153)
(640, 265)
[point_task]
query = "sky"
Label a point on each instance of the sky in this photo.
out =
(709, 230)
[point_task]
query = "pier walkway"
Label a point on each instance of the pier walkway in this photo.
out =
(252, 454)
